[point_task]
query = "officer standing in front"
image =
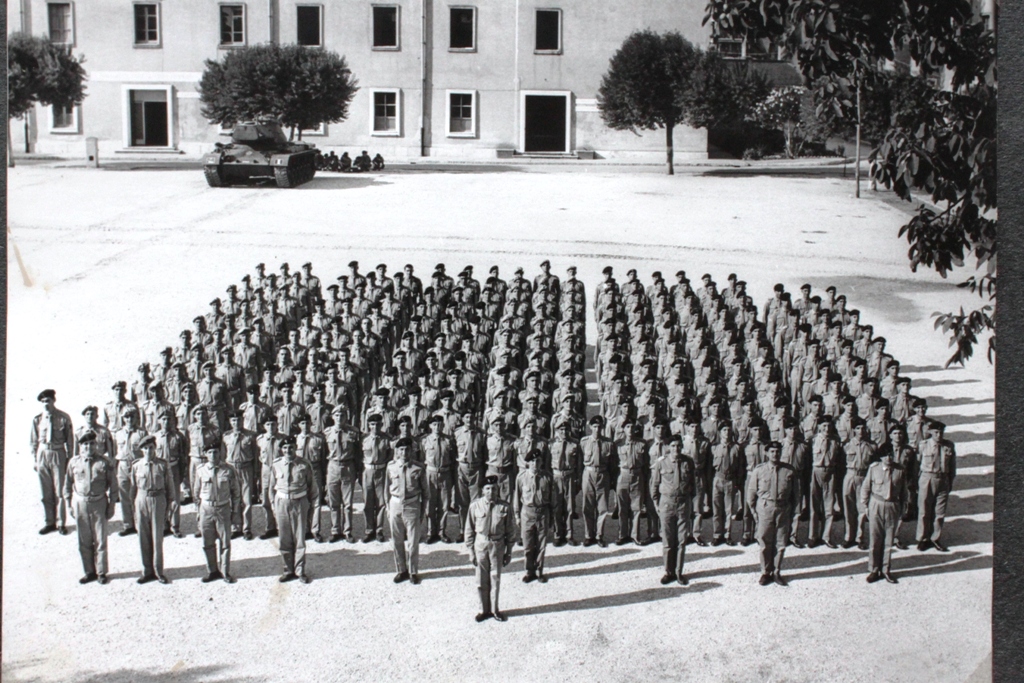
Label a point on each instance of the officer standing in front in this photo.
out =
(407, 510)
(598, 461)
(52, 442)
(490, 534)
(219, 498)
(533, 502)
(92, 479)
(772, 496)
(152, 487)
(293, 485)
(673, 484)
(884, 495)
(376, 449)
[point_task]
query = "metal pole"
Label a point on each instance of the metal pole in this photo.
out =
(423, 78)
(857, 169)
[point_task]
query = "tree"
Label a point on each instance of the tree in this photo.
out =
(642, 87)
(781, 110)
(721, 93)
(39, 71)
(946, 149)
(301, 87)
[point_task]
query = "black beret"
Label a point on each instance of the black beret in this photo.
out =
(45, 394)
(90, 436)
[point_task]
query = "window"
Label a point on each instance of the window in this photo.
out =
(308, 30)
(148, 115)
(385, 27)
(147, 24)
(62, 29)
(232, 25)
(63, 119)
(462, 35)
(386, 111)
(319, 130)
(461, 114)
(549, 31)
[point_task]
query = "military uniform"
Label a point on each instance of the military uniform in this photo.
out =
(859, 456)
(826, 455)
(673, 485)
(599, 456)
(490, 533)
(501, 463)
(408, 493)
(439, 455)
(218, 496)
(240, 452)
(313, 449)
(90, 489)
(267, 447)
(632, 492)
(937, 472)
(52, 441)
(344, 455)
(377, 454)
(883, 494)
(293, 485)
(772, 495)
(471, 457)
(534, 491)
(172, 447)
(566, 466)
(728, 467)
(127, 453)
(152, 487)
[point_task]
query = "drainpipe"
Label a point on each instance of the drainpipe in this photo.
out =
(272, 21)
(423, 78)
(516, 84)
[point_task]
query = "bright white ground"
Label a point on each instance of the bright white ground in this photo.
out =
(106, 267)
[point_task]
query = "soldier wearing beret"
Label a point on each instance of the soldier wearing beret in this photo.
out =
(241, 454)
(490, 533)
(772, 496)
(344, 464)
(938, 470)
(376, 454)
(471, 459)
(268, 445)
(408, 491)
(127, 439)
(599, 459)
(534, 492)
(293, 485)
(90, 491)
(439, 454)
(112, 411)
(52, 441)
(860, 453)
(673, 484)
(152, 488)
(172, 448)
(312, 448)
(218, 497)
(884, 495)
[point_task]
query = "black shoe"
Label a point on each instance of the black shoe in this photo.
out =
(286, 577)
(765, 579)
(163, 579)
(102, 578)
(873, 577)
(433, 539)
(49, 528)
(198, 534)
(747, 541)
(718, 541)
(128, 532)
(813, 544)
(145, 578)
(938, 545)
(64, 530)
(737, 517)
(529, 578)
(88, 578)
(212, 576)
(690, 540)
(654, 539)
(900, 544)
(848, 544)
(483, 616)
(588, 542)
(309, 536)
(519, 542)
(923, 545)
(498, 616)
(266, 535)
(603, 543)
(229, 579)
(642, 543)
(304, 578)
(667, 579)
(623, 541)
(236, 533)
(177, 534)
(863, 545)
(368, 538)
(415, 579)
(542, 578)
(701, 542)
(573, 542)
(682, 580)
(797, 544)
(401, 576)
(559, 542)
(446, 538)
(890, 578)
(381, 539)
(730, 542)
(460, 539)
(779, 580)
(805, 515)
(167, 531)
(831, 545)
(336, 537)
(247, 535)
(187, 500)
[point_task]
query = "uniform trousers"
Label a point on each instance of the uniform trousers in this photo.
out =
(490, 556)
(341, 493)
(291, 515)
(773, 527)
(316, 501)
(534, 525)
(676, 527)
(439, 487)
(855, 512)
(564, 503)
(124, 490)
(595, 502)
(174, 509)
(932, 496)
(405, 518)
(823, 492)
(91, 522)
(150, 518)
(633, 496)
(246, 483)
(748, 512)
(374, 500)
(52, 468)
(268, 501)
(722, 501)
(803, 487)
(882, 520)
(215, 525)
(467, 489)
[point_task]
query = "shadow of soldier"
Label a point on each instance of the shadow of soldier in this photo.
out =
(19, 673)
(904, 565)
(619, 600)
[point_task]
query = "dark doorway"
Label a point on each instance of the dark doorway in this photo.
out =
(544, 122)
(149, 118)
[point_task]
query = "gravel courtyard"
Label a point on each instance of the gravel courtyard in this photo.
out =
(107, 267)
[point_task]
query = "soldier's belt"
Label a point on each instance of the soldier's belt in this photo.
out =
(52, 447)
(241, 463)
(350, 462)
(862, 473)
(290, 496)
(563, 470)
(598, 468)
(223, 503)
(153, 492)
(932, 472)
(879, 499)
(827, 468)
(500, 470)
(375, 465)
(431, 468)
(91, 499)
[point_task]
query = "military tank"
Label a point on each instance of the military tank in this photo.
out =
(257, 151)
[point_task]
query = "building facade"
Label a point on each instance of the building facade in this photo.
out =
(467, 79)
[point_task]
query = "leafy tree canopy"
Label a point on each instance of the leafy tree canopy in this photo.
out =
(41, 71)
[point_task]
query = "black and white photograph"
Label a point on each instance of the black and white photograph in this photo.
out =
(500, 340)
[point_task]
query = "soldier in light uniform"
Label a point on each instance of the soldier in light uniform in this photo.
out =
(439, 455)
(267, 445)
(938, 470)
(773, 495)
(127, 439)
(566, 471)
(344, 459)
(826, 455)
(727, 465)
(407, 509)
(884, 495)
(533, 508)
(152, 487)
(52, 442)
(631, 490)
(312, 448)
(376, 451)
(599, 457)
(104, 444)
(172, 448)
(860, 453)
(673, 485)
(490, 533)
(471, 457)
(293, 485)
(218, 498)
(241, 454)
(90, 492)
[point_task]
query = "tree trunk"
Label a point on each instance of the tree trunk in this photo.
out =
(856, 170)
(10, 146)
(291, 133)
(300, 135)
(669, 147)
